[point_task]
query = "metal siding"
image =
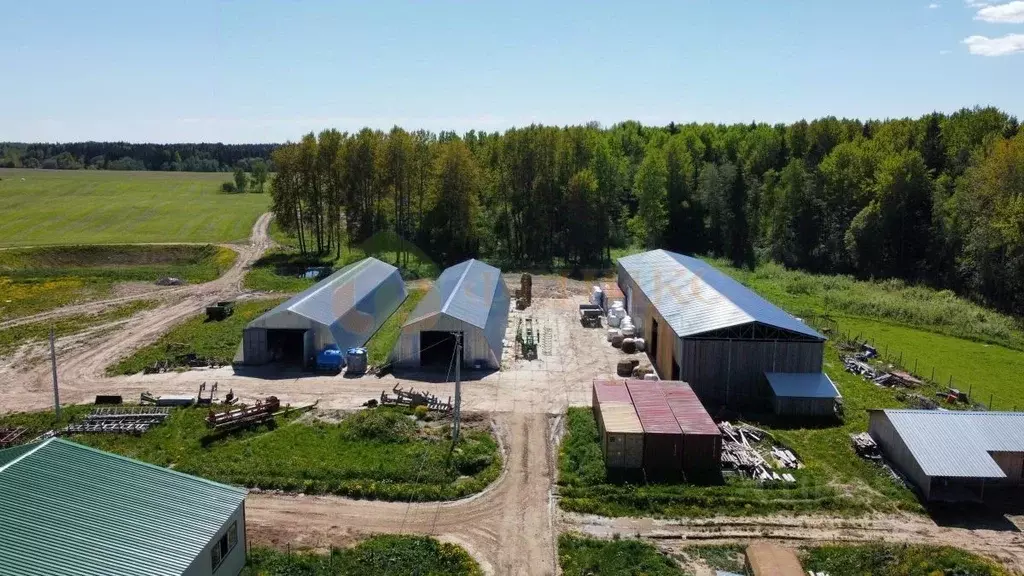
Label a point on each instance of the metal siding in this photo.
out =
(465, 291)
(254, 346)
(233, 563)
(475, 347)
(611, 391)
(1012, 464)
(789, 406)
(801, 385)
(957, 444)
(687, 409)
(69, 510)
(697, 298)
(880, 429)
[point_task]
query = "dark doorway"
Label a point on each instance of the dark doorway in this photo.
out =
(437, 349)
(287, 346)
(675, 368)
(652, 350)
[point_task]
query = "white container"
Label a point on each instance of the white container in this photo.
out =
(613, 321)
(628, 332)
(597, 296)
(612, 332)
(650, 376)
(620, 312)
(641, 344)
(618, 304)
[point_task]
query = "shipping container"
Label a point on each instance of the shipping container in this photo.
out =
(663, 439)
(702, 441)
(622, 436)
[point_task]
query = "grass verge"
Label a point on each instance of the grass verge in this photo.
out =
(905, 560)
(381, 453)
(376, 556)
(12, 338)
(217, 340)
(579, 556)
(34, 280)
(46, 207)
(383, 341)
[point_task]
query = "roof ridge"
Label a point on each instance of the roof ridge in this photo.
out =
(148, 465)
(458, 284)
(705, 284)
(324, 284)
(27, 453)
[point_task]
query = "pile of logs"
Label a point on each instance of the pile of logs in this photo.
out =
(865, 446)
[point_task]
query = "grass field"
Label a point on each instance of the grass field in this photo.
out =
(44, 207)
(34, 280)
(383, 341)
(380, 453)
(580, 556)
(378, 556)
(215, 340)
(16, 336)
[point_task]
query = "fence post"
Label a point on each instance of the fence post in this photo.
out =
(990, 396)
(915, 366)
(969, 390)
(933, 374)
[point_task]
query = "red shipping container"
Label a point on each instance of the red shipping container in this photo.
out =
(663, 439)
(702, 440)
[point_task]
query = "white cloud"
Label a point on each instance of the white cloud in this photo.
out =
(976, 3)
(1003, 46)
(1009, 13)
(933, 6)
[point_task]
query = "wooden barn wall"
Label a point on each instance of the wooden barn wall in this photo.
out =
(896, 451)
(643, 315)
(732, 371)
(1012, 464)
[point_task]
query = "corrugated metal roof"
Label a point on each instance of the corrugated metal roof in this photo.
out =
(328, 300)
(652, 408)
(957, 444)
(695, 298)
(688, 410)
(67, 509)
(802, 385)
(620, 418)
(465, 291)
(612, 391)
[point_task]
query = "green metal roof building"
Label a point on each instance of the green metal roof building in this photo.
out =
(67, 509)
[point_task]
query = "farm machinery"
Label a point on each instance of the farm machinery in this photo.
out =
(412, 399)
(527, 338)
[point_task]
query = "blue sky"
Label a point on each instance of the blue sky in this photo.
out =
(260, 71)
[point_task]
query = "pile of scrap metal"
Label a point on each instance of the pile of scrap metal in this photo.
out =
(135, 420)
(865, 446)
(739, 454)
(918, 401)
(11, 436)
(258, 413)
(953, 395)
(856, 364)
(167, 399)
(412, 399)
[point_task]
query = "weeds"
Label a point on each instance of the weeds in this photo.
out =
(384, 554)
(379, 348)
(16, 336)
(581, 556)
(905, 560)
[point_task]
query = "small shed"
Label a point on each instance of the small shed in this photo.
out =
(802, 393)
(470, 299)
(622, 435)
(702, 440)
(343, 310)
(766, 559)
(663, 439)
(71, 510)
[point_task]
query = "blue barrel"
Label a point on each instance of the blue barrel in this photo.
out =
(329, 359)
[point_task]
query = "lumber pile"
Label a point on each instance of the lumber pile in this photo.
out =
(739, 453)
(11, 436)
(865, 446)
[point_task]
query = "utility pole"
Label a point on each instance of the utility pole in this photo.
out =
(53, 366)
(458, 389)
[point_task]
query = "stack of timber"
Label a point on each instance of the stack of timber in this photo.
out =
(412, 399)
(739, 453)
(865, 446)
(260, 412)
(119, 420)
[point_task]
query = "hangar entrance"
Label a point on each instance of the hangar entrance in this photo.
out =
(437, 349)
(289, 346)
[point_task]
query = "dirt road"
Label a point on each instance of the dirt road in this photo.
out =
(508, 528)
(259, 241)
(1002, 543)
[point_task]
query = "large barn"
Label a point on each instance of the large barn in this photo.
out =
(953, 456)
(470, 298)
(344, 309)
(706, 329)
(71, 510)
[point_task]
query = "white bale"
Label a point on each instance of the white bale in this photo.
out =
(620, 312)
(612, 332)
(597, 296)
(628, 332)
(650, 376)
(613, 321)
(618, 304)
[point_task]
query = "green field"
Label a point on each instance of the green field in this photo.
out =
(381, 555)
(378, 453)
(16, 336)
(216, 340)
(34, 280)
(581, 556)
(44, 207)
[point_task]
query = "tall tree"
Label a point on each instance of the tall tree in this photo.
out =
(650, 187)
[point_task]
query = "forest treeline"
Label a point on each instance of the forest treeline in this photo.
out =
(937, 200)
(126, 156)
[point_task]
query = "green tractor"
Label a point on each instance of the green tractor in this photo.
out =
(527, 339)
